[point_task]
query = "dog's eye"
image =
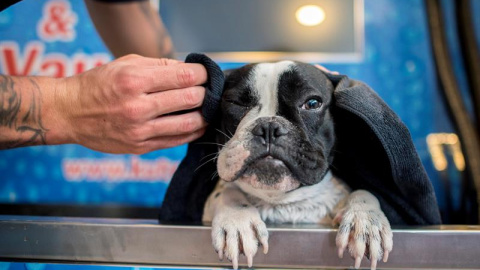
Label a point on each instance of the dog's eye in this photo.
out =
(236, 102)
(312, 104)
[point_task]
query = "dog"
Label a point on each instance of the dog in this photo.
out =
(276, 145)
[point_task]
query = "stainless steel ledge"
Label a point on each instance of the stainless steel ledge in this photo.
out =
(144, 242)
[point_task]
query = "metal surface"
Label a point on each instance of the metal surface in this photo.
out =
(144, 242)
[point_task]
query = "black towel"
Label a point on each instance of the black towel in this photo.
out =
(374, 151)
(213, 86)
(190, 187)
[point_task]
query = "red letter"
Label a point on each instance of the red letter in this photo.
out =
(26, 65)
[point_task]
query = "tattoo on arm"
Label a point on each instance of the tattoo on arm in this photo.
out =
(163, 39)
(20, 119)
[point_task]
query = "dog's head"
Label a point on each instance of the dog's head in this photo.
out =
(278, 129)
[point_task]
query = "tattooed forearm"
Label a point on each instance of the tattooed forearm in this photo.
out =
(164, 43)
(20, 113)
(9, 102)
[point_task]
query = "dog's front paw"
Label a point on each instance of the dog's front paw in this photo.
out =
(364, 230)
(238, 231)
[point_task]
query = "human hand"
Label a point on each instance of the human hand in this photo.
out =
(123, 106)
(324, 69)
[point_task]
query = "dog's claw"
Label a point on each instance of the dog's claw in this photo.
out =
(340, 253)
(358, 261)
(265, 247)
(220, 255)
(385, 256)
(373, 266)
(235, 263)
(250, 260)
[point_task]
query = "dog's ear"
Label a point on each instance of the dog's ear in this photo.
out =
(374, 151)
(196, 177)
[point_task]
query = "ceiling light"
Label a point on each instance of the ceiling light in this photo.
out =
(310, 15)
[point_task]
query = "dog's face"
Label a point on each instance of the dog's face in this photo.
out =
(281, 126)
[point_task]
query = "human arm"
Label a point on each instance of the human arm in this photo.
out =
(26, 111)
(120, 107)
(131, 27)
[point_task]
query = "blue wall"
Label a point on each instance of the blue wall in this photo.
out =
(398, 64)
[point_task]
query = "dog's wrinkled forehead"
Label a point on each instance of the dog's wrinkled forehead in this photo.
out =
(265, 81)
(272, 85)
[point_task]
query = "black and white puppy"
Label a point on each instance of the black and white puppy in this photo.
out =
(274, 166)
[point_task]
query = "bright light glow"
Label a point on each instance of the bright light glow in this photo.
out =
(310, 15)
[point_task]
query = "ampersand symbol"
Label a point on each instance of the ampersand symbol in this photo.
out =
(58, 21)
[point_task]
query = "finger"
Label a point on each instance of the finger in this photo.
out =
(262, 235)
(174, 77)
(164, 102)
(136, 59)
(324, 69)
(174, 125)
(218, 240)
(171, 141)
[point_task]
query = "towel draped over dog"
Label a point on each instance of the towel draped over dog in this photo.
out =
(373, 151)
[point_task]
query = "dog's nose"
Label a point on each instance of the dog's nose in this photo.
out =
(269, 131)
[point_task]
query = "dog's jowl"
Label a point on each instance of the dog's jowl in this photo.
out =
(277, 136)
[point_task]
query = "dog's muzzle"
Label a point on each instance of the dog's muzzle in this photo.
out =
(259, 156)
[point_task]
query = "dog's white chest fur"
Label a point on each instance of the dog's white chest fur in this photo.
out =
(310, 204)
